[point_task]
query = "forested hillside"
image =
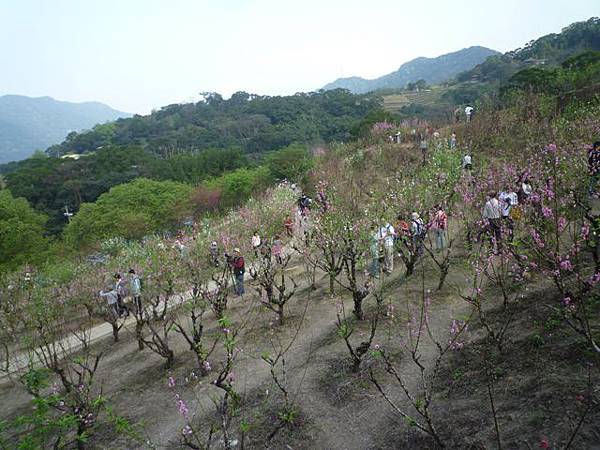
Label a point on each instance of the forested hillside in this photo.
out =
(251, 122)
(29, 124)
(547, 52)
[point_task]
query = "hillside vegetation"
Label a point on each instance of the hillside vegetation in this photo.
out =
(251, 122)
(473, 325)
(29, 124)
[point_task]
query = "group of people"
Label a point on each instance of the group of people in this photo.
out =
(119, 290)
(387, 239)
(500, 212)
(469, 112)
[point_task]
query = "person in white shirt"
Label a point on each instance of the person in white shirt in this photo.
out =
(374, 250)
(469, 112)
(467, 162)
(491, 213)
(508, 200)
(525, 190)
(387, 235)
(256, 243)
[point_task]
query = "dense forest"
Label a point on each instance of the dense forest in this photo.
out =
(251, 122)
(189, 143)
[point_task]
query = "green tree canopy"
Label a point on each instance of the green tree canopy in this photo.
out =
(130, 210)
(291, 163)
(21, 233)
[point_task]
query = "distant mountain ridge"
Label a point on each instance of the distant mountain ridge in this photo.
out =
(28, 124)
(432, 70)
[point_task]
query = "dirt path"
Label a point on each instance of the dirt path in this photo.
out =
(343, 410)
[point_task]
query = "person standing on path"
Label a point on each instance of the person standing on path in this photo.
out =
(387, 235)
(236, 262)
(135, 287)
(439, 224)
(508, 200)
(121, 290)
(374, 251)
(418, 233)
(491, 214)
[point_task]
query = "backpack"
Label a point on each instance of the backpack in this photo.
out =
(421, 231)
(515, 213)
(440, 220)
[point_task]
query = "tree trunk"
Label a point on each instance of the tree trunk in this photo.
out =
(203, 371)
(280, 314)
(331, 284)
(170, 359)
(115, 331)
(358, 311)
(443, 275)
(139, 326)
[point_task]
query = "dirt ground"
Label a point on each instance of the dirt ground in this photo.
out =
(537, 385)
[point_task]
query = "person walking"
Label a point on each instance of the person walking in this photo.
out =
(236, 262)
(491, 214)
(256, 243)
(439, 224)
(135, 288)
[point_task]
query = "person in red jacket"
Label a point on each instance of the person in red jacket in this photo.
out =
(439, 225)
(236, 262)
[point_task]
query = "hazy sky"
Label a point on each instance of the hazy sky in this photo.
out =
(136, 55)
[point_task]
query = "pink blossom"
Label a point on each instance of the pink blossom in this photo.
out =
(547, 212)
(566, 265)
(183, 409)
(562, 224)
(536, 237)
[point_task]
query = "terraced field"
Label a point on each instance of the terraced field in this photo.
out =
(429, 97)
